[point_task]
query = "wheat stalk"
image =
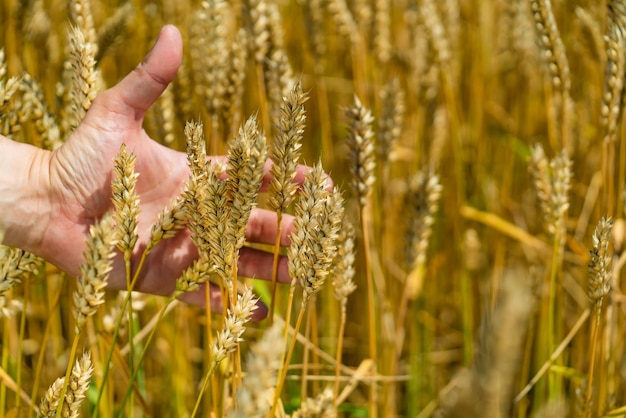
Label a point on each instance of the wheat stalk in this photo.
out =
(599, 286)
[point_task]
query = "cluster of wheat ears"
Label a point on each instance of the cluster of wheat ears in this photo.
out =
(467, 262)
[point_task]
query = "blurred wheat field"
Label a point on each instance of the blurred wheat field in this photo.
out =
(478, 146)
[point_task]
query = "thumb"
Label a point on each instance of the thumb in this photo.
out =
(143, 86)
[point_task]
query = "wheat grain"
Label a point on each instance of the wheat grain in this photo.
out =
(81, 14)
(344, 270)
(599, 267)
(78, 385)
(84, 76)
(75, 393)
(361, 150)
(50, 401)
(247, 154)
(343, 18)
(285, 151)
(234, 326)
(382, 31)
(170, 221)
(236, 78)
(15, 264)
(421, 201)
(35, 109)
(125, 200)
(391, 120)
(94, 272)
(612, 98)
(551, 44)
(210, 49)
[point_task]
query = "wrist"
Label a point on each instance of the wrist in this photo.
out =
(24, 201)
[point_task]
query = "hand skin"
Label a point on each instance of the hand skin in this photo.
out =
(48, 200)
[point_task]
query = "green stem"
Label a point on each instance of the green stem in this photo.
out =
(205, 383)
(552, 309)
(133, 377)
(127, 302)
(5, 363)
(342, 327)
(44, 343)
(371, 310)
(285, 365)
(595, 325)
(18, 378)
(130, 281)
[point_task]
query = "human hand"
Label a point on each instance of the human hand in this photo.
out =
(77, 183)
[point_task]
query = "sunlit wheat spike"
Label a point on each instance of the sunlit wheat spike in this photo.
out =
(14, 265)
(551, 44)
(285, 150)
(612, 99)
(421, 201)
(36, 110)
(78, 385)
(165, 111)
(75, 393)
(196, 148)
(219, 229)
(81, 14)
(552, 184)
(247, 154)
(236, 78)
(361, 150)
(37, 23)
(313, 241)
(561, 177)
(170, 221)
(599, 267)
(113, 27)
(84, 77)
(323, 241)
(125, 200)
(211, 50)
(7, 89)
(234, 326)
(539, 169)
(391, 120)
(344, 270)
(49, 403)
(258, 15)
(382, 30)
(261, 367)
(195, 209)
(436, 32)
(194, 275)
(343, 18)
(94, 271)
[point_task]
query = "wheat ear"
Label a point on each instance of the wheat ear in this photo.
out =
(285, 153)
